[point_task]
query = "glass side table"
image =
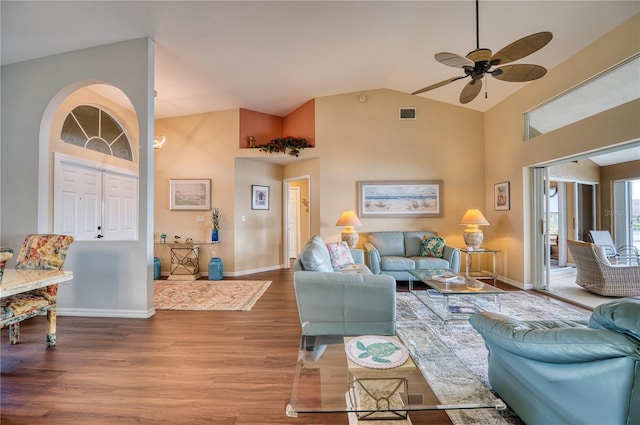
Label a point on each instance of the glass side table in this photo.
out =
(479, 273)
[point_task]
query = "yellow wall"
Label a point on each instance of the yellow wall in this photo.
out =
(201, 146)
(508, 157)
(468, 150)
(367, 142)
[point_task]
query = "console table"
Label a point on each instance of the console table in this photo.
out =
(479, 274)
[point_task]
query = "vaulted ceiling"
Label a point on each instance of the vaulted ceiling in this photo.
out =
(274, 56)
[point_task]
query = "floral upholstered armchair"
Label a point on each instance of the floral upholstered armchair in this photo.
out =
(38, 252)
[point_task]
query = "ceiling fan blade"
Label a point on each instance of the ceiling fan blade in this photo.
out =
(470, 91)
(519, 73)
(452, 59)
(440, 84)
(521, 48)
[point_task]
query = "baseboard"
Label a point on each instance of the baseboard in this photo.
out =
(90, 312)
(237, 273)
(252, 271)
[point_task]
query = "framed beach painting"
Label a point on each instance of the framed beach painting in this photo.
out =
(190, 194)
(259, 197)
(378, 199)
(501, 196)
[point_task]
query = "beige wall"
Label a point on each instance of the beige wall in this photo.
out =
(366, 141)
(508, 157)
(468, 150)
(198, 146)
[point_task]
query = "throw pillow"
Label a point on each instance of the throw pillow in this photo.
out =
(340, 254)
(432, 246)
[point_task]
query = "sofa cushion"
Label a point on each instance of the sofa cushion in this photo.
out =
(621, 315)
(430, 263)
(432, 246)
(315, 256)
(340, 254)
(413, 241)
(388, 243)
(391, 262)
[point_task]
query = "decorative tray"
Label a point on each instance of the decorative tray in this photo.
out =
(376, 352)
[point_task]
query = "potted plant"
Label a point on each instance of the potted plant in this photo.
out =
(281, 144)
(216, 216)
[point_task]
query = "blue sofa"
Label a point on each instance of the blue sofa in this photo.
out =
(394, 252)
(344, 300)
(565, 372)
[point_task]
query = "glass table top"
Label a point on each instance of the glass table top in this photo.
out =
(456, 286)
(326, 380)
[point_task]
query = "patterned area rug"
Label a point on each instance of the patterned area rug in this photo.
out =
(453, 358)
(239, 295)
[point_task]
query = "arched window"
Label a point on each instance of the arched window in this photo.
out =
(93, 128)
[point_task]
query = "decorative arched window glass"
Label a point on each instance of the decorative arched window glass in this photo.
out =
(93, 128)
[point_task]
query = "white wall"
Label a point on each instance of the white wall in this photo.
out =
(111, 278)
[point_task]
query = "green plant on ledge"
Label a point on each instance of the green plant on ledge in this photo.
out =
(281, 144)
(216, 216)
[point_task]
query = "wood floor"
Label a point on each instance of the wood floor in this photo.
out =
(178, 367)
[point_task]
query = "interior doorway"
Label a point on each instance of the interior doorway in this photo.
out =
(297, 217)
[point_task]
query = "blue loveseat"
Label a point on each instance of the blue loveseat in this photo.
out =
(565, 372)
(394, 252)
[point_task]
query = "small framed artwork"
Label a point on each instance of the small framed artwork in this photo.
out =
(386, 199)
(259, 197)
(501, 197)
(190, 194)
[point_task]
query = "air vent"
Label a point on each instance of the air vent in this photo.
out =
(407, 113)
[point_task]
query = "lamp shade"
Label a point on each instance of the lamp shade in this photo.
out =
(349, 218)
(474, 216)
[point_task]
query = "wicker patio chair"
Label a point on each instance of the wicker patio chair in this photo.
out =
(625, 254)
(598, 275)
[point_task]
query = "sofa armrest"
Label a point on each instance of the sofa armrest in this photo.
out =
(552, 341)
(452, 254)
(357, 255)
(372, 257)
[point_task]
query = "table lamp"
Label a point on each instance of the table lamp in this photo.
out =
(349, 219)
(472, 234)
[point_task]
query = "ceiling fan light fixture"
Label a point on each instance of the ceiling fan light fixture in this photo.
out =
(480, 55)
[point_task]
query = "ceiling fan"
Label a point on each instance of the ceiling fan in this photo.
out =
(478, 63)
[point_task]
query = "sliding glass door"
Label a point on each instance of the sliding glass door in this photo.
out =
(626, 212)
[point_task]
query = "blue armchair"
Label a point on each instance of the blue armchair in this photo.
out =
(566, 372)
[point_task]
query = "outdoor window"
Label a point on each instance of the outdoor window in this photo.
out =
(605, 91)
(93, 128)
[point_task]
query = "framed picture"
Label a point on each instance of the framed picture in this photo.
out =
(259, 197)
(190, 194)
(400, 199)
(501, 197)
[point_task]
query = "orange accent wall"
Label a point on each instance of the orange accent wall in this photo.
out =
(263, 127)
(302, 122)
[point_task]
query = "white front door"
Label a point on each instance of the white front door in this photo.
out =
(120, 207)
(78, 201)
(91, 203)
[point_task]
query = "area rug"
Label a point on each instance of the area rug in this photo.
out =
(239, 295)
(453, 358)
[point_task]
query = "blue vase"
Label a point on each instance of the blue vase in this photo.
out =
(214, 235)
(215, 269)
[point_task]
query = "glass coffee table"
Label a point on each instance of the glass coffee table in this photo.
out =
(341, 374)
(445, 286)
